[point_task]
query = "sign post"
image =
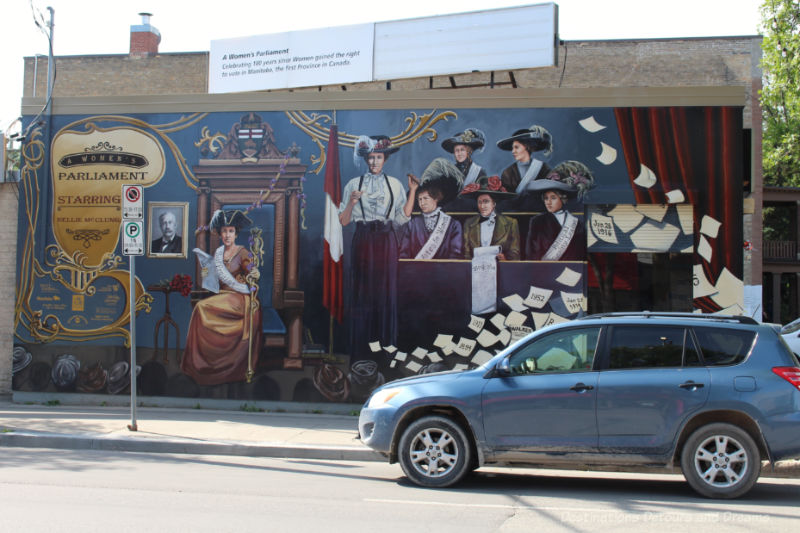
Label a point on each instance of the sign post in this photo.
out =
(132, 245)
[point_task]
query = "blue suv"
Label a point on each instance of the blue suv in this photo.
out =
(716, 395)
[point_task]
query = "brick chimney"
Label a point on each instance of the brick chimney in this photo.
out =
(144, 38)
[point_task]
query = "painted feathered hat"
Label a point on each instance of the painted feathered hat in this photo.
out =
(472, 137)
(443, 175)
(381, 144)
(536, 137)
(571, 177)
(234, 218)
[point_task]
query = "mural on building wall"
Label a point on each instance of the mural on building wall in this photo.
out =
(312, 256)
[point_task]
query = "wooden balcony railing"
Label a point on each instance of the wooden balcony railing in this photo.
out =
(780, 251)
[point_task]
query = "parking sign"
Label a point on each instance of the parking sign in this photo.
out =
(132, 237)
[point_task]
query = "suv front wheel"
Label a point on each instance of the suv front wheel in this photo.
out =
(720, 461)
(434, 451)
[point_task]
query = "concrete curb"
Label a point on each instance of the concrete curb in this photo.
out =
(186, 446)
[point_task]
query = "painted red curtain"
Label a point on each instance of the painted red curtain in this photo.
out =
(699, 151)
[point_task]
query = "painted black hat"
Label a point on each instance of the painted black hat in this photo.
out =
(536, 137)
(443, 175)
(65, 372)
(21, 359)
(118, 377)
(234, 218)
(472, 137)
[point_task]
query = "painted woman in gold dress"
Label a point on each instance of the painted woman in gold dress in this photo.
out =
(221, 327)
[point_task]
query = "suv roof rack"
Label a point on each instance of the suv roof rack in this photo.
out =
(650, 314)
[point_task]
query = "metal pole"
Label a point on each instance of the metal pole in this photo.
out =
(48, 134)
(50, 64)
(132, 310)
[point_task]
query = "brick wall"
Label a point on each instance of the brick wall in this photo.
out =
(119, 75)
(713, 61)
(8, 264)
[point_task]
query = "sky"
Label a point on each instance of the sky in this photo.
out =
(88, 27)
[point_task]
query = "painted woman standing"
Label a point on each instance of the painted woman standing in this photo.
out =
(378, 205)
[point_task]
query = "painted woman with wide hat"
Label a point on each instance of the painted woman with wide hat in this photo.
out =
(219, 344)
(490, 228)
(557, 234)
(378, 205)
(462, 145)
(518, 176)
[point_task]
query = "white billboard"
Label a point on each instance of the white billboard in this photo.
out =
(295, 59)
(498, 39)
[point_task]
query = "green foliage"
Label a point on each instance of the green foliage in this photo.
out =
(250, 408)
(780, 96)
(778, 223)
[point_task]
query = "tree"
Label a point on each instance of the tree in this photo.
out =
(780, 96)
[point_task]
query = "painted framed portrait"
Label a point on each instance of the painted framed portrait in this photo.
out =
(167, 226)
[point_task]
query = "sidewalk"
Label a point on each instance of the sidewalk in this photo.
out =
(200, 427)
(213, 427)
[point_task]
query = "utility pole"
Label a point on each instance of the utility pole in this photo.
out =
(50, 64)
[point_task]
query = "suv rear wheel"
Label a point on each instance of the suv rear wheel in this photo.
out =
(720, 461)
(434, 451)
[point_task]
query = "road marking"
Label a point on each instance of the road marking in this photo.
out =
(487, 505)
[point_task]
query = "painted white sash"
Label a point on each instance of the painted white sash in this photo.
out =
(472, 175)
(436, 237)
(563, 239)
(225, 275)
(532, 172)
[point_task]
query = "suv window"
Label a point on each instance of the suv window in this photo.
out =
(570, 350)
(722, 346)
(649, 347)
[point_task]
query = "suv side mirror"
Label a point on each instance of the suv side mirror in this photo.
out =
(503, 368)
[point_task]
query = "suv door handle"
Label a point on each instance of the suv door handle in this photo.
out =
(691, 385)
(581, 387)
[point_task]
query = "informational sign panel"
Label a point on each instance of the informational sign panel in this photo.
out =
(132, 237)
(295, 59)
(132, 202)
(498, 39)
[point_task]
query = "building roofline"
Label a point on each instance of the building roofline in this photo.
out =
(655, 39)
(566, 41)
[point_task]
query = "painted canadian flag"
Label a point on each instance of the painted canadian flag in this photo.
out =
(332, 256)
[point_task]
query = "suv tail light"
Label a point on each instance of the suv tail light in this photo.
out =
(789, 373)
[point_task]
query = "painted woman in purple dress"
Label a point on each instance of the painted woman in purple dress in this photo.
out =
(557, 234)
(433, 234)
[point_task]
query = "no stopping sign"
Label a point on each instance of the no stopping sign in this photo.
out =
(132, 202)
